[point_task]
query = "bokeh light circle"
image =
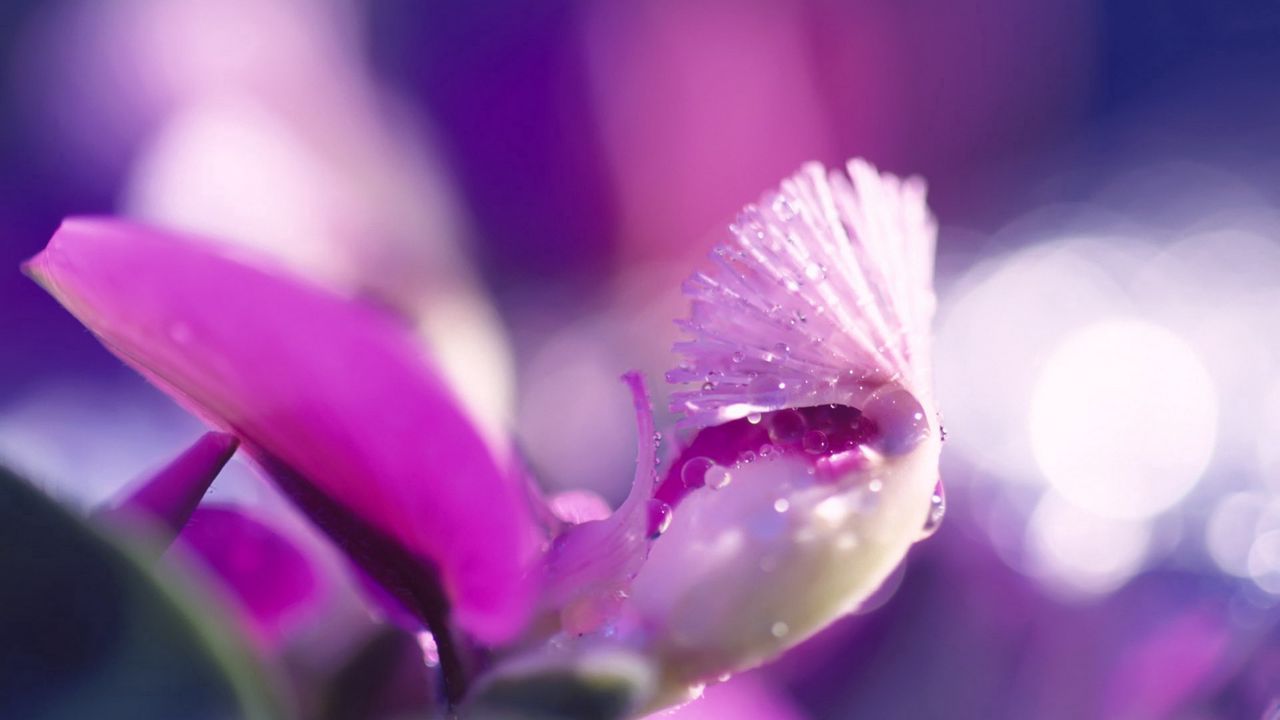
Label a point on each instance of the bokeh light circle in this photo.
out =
(1123, 419)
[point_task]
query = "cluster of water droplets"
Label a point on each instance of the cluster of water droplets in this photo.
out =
(837, 443)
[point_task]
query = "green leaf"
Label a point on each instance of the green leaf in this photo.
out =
(88, 632)
(602, 683)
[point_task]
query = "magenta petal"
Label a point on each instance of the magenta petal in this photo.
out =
(166, 500)
(272, 581)
(332, 397)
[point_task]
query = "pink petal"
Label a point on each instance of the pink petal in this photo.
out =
(591, 562)
(166, 499)
(330, 396)
(272, 581)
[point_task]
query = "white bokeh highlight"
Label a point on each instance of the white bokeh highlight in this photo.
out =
(1123, 419)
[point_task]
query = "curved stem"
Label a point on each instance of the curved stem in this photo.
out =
(434, 610)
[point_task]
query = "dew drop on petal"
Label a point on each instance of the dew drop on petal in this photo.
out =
(815, 442)
(718, 477)
(781, 505)
(696, 471)
(900, 417)
(783, 209)
(660, 516)
(937, 511)
(786, 426)
(738, 356)
(779, 629)
(754, 418)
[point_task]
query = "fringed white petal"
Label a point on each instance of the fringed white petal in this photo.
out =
(825, 285)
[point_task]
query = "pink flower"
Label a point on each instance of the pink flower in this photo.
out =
(808, 470)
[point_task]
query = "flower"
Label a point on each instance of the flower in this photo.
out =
(814, 465)
(809, 466)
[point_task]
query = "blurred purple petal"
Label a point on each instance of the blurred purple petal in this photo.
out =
(167, 499)
(1163, 671)
(331, 397)
(272, 581)
(745, 696)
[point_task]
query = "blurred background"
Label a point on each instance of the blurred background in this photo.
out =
(529, 182)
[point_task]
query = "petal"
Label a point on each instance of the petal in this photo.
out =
(745, 696)
(273, 583)
(330, 396)
(751, 569)
(166, 500)
(825, 284)
(590, 562)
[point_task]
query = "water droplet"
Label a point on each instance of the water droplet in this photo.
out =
(657, 438)
(876, 485)
(660, 516)
(781, 505)
(900, 417)
(695, 472)
(815, 272)
(786, 426)
(790, 284)
(779, 629)
(782, 349)
(738, 356)
(766, 451)
(767, 390)
(747, 457)
(717, 477)
(783, 209)
(815, 442)
(708, 387)
(754, 418)
(937, 511)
